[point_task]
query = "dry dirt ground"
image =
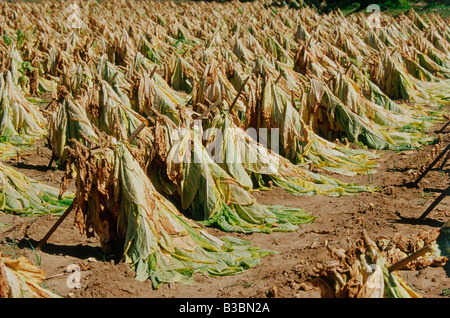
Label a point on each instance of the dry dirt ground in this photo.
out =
(392, 210)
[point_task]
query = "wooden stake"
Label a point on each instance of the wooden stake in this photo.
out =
(210, 108)
(443, 127)
(445, 161)
(19, 156)
(55, 226)
(278, 78)
(140, 128)
(410, 258)
(52, 158)
(348, 67)
(432, 164)
(113, 78)
(153, 71)
(441, 197)
(239, 93)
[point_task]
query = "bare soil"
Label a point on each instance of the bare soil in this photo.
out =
(394, 209)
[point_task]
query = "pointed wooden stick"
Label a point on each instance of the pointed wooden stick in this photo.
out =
(441, 197)
(52, 158)
(153, 71)
(19, 156)
(278, 78)
(239, 93)
(443, 127)
(140, 128)
(55, 226)
(410, 258)
(432, 164)
(444, 161)
(113, 78)
(207, 111)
